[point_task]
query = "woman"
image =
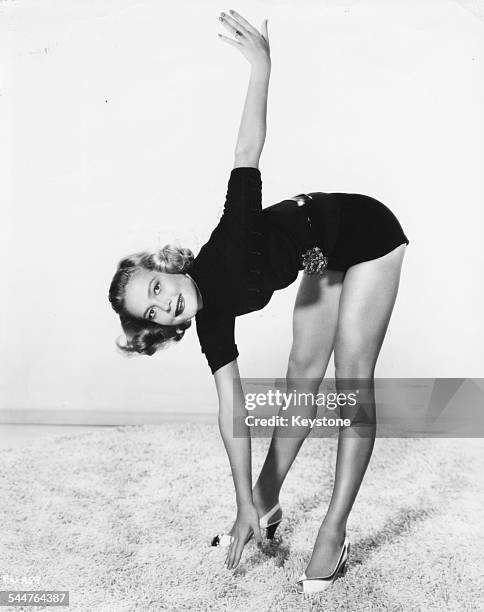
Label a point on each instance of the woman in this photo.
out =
(351, 248)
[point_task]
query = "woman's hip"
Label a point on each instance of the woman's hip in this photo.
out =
(353, 227)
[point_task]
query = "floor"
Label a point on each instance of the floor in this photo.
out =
(15, 436)
(144, 503)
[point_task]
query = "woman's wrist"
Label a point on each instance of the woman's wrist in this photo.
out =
(244, 500)
(261, 67)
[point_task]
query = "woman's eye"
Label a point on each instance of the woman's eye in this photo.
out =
(156, 288)
(151, 314)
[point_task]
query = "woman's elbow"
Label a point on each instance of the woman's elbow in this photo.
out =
(225, 413)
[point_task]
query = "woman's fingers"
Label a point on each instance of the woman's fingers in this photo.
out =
(227, 556)
(234, 552)
(257, 533)
(239, 20)
(232, 25)
(231, 41)
(253, 45)
(230, 556)
(237, 553)
(264, 31)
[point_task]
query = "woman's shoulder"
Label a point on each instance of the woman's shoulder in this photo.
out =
(212, 316)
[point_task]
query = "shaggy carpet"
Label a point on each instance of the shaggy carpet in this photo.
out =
(122, 519)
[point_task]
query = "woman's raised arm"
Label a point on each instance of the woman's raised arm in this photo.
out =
(232, 407)
(254, 46)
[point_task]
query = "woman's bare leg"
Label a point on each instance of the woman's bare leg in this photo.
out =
(367, 300)
(314, 327)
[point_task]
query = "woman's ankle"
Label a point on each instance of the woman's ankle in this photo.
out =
(334, 525)
(264, 499)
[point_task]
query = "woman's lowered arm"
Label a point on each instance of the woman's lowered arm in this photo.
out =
(255, 48)
(232, 410)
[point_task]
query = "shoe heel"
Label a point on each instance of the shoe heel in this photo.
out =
(271, 530)
(342, 569)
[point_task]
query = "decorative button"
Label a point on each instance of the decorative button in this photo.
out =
(301, 198)
(314, 261)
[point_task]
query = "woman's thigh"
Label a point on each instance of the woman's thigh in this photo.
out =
(366, 303)
(315, 319)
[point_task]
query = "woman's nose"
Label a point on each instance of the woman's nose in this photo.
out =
(165, 303)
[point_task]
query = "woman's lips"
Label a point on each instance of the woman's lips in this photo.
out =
(180, 305)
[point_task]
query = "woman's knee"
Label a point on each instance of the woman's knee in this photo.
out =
(355, 358)
(306, 368)
(356, 367)
(357, 377)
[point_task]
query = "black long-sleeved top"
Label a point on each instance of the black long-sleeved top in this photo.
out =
(253, 251)
(250, 254)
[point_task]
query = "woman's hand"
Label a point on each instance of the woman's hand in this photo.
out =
(253, 45)
(247, 521)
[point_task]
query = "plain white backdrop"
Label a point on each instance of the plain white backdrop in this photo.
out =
(120, 119)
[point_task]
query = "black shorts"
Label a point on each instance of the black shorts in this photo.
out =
(351, 228)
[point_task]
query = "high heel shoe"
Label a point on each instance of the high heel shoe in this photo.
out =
(318, 584)
(268, 526)
(224, 539)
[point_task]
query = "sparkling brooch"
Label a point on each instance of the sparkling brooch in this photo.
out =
(314, 261)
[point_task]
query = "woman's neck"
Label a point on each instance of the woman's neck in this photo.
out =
(199, 295)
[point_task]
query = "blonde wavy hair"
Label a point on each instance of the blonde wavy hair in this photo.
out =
(143, 336)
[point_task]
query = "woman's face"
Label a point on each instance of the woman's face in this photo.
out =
(166, 299)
